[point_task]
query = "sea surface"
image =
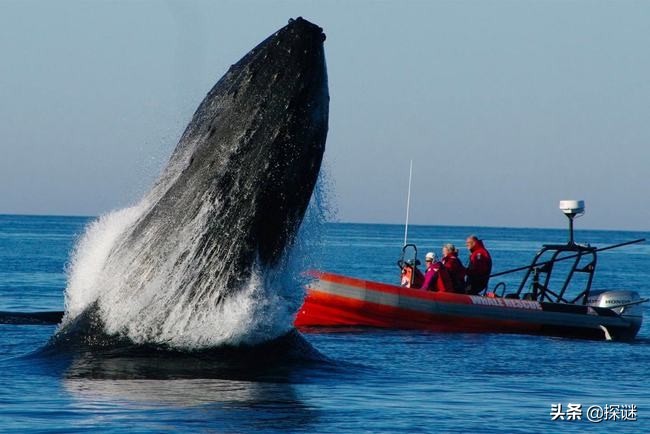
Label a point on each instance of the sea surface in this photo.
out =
(370, 381)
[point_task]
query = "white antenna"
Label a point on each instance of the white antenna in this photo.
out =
(408, 204)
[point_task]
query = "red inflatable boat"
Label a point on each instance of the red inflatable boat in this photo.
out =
(339, 301)
(534, 308)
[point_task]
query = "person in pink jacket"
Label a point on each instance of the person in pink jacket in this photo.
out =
(436, 277)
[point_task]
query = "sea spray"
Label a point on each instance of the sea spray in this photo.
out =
(89, 257)
(262, 310)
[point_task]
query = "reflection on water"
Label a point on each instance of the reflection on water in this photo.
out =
(182, 393)
(218, 403)
(222, 389)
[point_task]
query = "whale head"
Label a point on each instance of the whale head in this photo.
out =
(225, 210)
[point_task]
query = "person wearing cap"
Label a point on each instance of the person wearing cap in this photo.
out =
(479, 267)
(454, 267)
(436, 277)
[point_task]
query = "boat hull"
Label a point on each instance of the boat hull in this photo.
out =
(340, 301)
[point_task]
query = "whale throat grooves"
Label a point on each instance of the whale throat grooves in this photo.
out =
(206, 257)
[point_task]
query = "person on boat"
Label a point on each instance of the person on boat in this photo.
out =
(412, 277)
(436, 277)
(479, 267)
(454, 267)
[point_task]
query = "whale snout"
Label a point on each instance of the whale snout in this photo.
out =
(305, 26)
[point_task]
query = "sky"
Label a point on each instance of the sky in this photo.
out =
(505, 107)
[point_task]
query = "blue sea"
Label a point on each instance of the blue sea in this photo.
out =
(372, 381)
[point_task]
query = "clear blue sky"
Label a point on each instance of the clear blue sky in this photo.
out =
(505, 106)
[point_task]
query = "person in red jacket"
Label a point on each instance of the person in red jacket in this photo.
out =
(436, 278)
(454, 267)
(479, 267)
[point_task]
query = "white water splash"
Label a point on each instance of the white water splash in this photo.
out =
(159, 303)
(89, 256)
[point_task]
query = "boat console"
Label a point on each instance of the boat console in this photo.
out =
(583, 260)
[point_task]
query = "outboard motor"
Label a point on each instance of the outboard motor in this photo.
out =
(625, 303)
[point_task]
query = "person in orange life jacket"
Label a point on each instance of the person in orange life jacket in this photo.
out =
(436, 277)
(412, 277)
(454, 267)
(479, 267)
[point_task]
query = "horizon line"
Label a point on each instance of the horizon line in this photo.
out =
(369, 223)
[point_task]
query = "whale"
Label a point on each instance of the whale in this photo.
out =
(31, 318)
(184, 266)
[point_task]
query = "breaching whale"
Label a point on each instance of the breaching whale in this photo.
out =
(199, 261)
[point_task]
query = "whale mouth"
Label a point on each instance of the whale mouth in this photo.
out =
(207, 257)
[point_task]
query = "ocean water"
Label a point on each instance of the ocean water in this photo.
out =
(368, 380)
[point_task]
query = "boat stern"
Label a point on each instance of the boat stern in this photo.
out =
(624, 303)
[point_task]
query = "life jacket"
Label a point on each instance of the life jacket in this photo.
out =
(479, 268)
(412, 277)
(443, 280)
(437, 279)
(480, 262)
(456, 271)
